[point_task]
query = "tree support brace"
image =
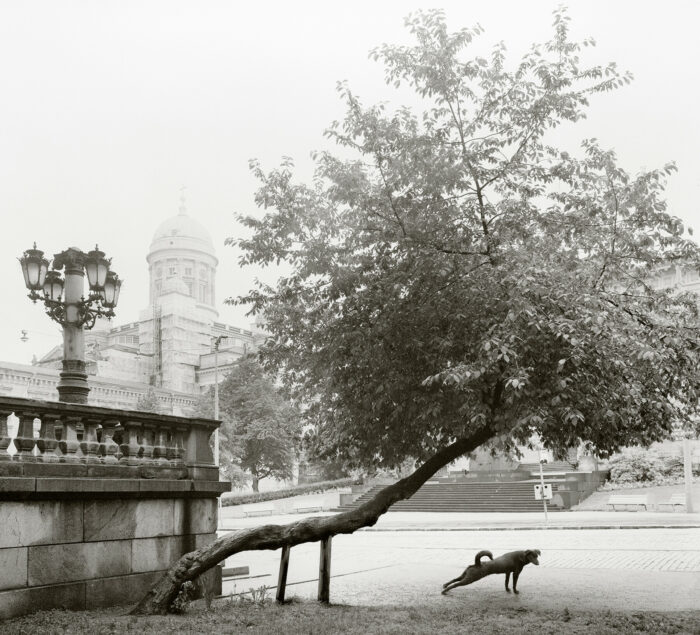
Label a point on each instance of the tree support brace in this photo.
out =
(282, 578)
(324, 571)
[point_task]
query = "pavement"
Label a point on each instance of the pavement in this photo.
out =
(445, 521)
(621, 561)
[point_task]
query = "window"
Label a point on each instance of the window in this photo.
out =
(172, 271)
(188, 271)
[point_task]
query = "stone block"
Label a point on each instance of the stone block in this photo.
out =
(212, 488)
(109, 519)
(154, 517)
(113, 471)
(13, 568)
(20, 484)
(196, 516)
(51, 564)
(162, 485)
(118, 518)
(64, 470)
(11, 468)
(155, 554)
(203, 473)
(23, 601)
(156, 472)
(119, 590)
(86, 485)
(40, 522)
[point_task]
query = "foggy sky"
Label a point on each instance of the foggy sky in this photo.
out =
(109, 108)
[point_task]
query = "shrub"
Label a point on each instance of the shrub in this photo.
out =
(636, 468)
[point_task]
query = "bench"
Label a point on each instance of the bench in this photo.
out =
(676, 499)
(628, 499)
(259, 512)
(308, 510)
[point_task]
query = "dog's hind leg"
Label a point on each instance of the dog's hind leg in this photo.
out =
(508, 579)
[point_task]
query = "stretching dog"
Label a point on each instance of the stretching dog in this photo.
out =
(512, 562)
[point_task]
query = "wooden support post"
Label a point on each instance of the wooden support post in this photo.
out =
(324, 571)
(282, 579)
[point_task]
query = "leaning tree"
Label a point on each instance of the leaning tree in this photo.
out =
(457, 280)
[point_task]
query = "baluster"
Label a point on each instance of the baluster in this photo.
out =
(58, 433)
(180, 446)
(147, 437)
(4, 436)
(24, 441)
(48, 442)
(130, 444)
(160, 452)
(70, 443)
(90, 445)
(170, 447)
(108, 448)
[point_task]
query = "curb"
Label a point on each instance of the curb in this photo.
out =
(510, 528)
(531, 528)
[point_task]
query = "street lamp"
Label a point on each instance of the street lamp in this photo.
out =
(65, 303)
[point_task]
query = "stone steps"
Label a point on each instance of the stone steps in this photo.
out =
(465, 497)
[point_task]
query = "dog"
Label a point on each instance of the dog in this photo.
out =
(512, 562)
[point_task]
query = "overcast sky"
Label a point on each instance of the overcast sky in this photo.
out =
(109, 108)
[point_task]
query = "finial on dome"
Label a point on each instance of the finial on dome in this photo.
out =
(183, 209)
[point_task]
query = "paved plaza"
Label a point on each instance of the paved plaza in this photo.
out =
(628, 569)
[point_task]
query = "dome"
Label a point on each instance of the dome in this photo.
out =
(182, 231)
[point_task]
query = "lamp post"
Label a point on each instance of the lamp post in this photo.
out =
(65, 303)
(216, 342)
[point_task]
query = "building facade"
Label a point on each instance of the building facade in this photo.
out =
(169, 349)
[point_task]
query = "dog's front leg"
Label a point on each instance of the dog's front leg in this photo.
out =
(451, 581)
(516, 575)
(459, 582)
(507, 580)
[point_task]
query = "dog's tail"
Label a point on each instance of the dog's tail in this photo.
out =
(480, 555)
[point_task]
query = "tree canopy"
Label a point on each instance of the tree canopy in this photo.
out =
(461, 280)
(461, 273)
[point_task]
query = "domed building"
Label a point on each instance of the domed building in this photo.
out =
(169, 349)
(182, 252)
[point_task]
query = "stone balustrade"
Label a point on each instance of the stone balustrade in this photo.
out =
(52, 437)
(99, 502)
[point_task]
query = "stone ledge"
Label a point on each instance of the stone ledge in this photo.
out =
(50, 488)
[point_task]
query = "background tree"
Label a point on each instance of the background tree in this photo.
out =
(462, 281)
(260, 429)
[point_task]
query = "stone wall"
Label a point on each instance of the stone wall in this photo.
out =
(90, 553)
(97, 503)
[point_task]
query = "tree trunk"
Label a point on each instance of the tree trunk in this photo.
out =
(256, 483)
(191, 565)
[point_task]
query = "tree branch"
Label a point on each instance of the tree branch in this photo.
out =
(193, 564)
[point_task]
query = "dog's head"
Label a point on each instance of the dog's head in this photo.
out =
(531, 555)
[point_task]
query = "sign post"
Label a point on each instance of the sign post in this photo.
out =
(542, 492)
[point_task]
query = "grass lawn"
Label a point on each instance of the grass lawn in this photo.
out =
(238, 616)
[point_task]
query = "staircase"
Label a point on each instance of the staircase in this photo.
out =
(554, 466)
(516, 496)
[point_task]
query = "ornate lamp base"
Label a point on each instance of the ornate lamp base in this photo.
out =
(73, 386)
